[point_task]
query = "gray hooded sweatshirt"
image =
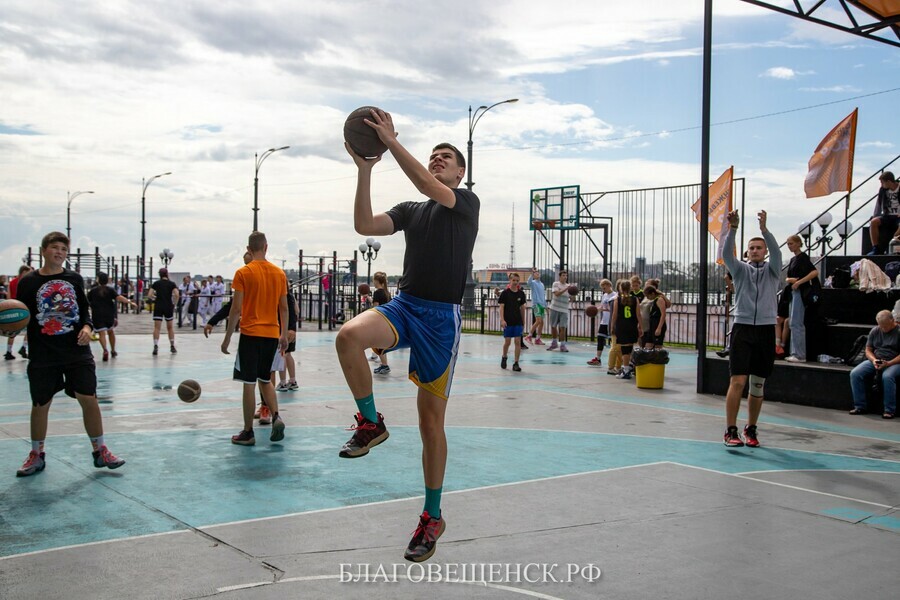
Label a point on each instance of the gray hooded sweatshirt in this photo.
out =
(756, 285)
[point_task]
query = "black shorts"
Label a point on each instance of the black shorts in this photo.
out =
(784, 304)
(292, 347)
(163, 313)
(650, 337)
(254, 359)
(45, 381)
(102, 323)
(752, 350)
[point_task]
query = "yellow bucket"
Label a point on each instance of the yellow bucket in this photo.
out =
(650, 376)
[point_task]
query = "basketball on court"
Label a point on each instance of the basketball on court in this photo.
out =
(361, 138)
(14, 317)
(189, 390)
(591, 311)
(573, 289)
(364, 289)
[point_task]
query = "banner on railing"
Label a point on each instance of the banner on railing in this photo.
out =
(831, 166)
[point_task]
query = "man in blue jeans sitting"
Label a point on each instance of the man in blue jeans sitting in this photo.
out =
(882, 357)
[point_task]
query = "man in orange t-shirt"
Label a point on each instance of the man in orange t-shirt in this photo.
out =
(260, 300)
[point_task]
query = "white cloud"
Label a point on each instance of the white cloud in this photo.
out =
(834, 88)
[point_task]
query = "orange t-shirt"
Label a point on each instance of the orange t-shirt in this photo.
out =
(263, 285)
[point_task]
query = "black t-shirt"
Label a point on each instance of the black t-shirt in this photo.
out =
(512, 303)
(379, 296)
(439, 242)
(103, 303)
(59, 310)
(801, 266)
(164, 289)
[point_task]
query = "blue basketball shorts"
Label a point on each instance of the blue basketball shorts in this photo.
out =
(431, 331)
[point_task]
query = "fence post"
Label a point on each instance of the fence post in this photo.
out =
(481, 291)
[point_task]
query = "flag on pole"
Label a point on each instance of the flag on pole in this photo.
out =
(831, 166)
(719, 206)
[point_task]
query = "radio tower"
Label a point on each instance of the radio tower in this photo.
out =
(512, 239)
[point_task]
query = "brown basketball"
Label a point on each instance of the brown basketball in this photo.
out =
(189, 390)
(591, 311)
(14, 317)
(364, 289)
(573, 289)
(361, 138)
(538, 225)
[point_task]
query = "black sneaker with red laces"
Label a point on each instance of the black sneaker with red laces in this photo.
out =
(424, 539)
(732, 438)
(750, 436)
(366, 435)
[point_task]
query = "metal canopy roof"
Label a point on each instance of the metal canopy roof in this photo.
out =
(876, 20)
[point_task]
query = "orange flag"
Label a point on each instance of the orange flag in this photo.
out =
(831, 166)
(719, 207)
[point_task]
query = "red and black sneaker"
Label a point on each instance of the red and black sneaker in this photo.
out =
(750, 436)
(732, 438)
(244, 438)
(366, 435)
(424, 539)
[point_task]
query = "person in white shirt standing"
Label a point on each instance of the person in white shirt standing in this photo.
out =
(607, 297)
(218, 292)
(559, 312)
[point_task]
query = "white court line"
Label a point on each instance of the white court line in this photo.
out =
(86, 544)
(448, 493)
(791, 487)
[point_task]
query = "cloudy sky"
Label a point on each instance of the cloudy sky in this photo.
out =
(96, 96)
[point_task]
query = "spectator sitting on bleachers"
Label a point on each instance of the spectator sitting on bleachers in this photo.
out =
(882, 359)
(887, 211)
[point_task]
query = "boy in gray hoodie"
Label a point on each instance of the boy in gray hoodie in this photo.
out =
(756, 284)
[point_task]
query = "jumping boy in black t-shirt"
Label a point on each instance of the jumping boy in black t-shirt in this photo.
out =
(425, 316)
(60, 335)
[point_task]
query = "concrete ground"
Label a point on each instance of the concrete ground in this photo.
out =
(563, 483)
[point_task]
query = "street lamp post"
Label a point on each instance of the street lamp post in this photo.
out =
(474, 117)
(69, 197)
(369, 252)
(145, 184)
(824, 241)
(259, 161)
(166, 257)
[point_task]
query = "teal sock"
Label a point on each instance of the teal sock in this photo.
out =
(366, 407)
(433, 502)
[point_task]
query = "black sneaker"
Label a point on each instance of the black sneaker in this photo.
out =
(23, 352)
(155, 350)
(244, 438)
(750, 436)
(425, 537)
(277, 429)
(723, 353)
(732, 438)
(516, 367)
(502, 362)
(366, 435)
(172, 349)
(523, 346)
(9, 356)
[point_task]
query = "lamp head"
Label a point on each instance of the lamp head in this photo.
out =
(824, 220)
(376, 245)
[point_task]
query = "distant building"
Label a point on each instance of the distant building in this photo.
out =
(497, 274)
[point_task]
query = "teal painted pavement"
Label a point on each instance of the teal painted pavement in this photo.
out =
(176, 480)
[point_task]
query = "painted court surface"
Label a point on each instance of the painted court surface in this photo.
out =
(560, 472)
